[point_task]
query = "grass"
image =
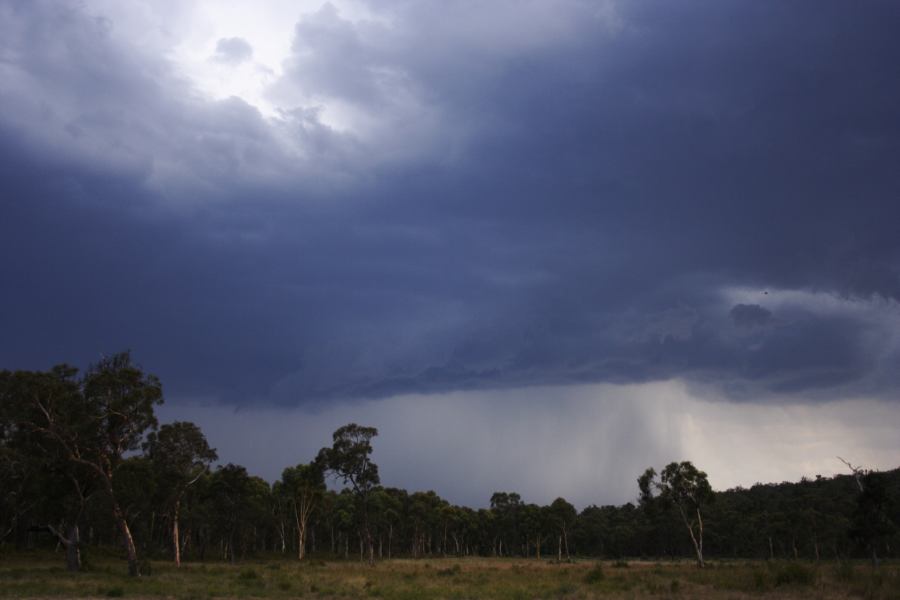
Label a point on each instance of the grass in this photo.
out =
(43, 576)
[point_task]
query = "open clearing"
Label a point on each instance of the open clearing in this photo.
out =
(43, 576)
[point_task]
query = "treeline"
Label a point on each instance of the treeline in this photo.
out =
(84, 464)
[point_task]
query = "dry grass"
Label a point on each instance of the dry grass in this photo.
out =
(509, 579)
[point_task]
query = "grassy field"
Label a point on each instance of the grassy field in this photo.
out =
(44, 577)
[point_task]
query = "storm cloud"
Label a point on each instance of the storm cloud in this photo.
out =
(462, 197)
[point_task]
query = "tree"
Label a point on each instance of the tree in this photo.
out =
(871, 522)
(506, 506)
(563, 516)
(349, 459)
(36, 477)
(238, 507)
(95, 421)
(304, 485)
(179, 454)
(686, 488)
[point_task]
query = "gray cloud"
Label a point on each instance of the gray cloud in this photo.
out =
(558, 198)
(233, 51)
(750, 315)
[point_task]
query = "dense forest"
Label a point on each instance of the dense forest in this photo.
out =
(84, 465)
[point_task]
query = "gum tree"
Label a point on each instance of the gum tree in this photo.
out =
(683, 486)
(349, 458)
(180, 455)
(94, 421)
(304, 485)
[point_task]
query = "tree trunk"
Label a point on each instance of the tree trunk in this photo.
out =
(73, 550)
(301, 542)
(566, 544)
(390, 536)
(134, 567)
(176, 542)
(559, 548)
(71, 544)
(697, 539)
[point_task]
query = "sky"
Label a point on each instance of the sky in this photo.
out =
(540, 245)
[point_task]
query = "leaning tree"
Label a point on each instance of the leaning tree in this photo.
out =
(683, 486)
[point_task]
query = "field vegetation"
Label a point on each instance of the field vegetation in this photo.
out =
(30, 575)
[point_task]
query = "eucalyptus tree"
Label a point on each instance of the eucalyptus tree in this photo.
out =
(92, 422)
(535, 527)
(507, 508)
(686, 488)
(238, 508)
(304, 485)
(180, 455)
(387, 504)
(349, 458)
(38, 482)
(562, 515)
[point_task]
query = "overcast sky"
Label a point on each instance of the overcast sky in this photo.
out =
(540, 245)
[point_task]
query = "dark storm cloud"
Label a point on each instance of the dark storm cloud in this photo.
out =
(750, 315)
(567, 196)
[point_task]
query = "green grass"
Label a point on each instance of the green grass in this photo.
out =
(43, 575)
